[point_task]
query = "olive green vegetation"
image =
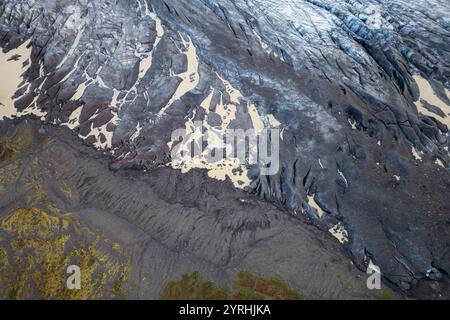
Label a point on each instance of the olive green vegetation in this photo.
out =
(21, 139)
(246, 286)
(37, 246)
(386, 295)
(38, 241)
(6, 153)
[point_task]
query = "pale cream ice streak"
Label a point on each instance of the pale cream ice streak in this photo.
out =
(29, 86)
(341, 174)
(427, 94)
(96, 132)
(74, 122)
(263, 45)
(33, 109)
(227, 113)
(114, 100)
(313, 204)
(235, 95)
(189, 79)
(266, 48)
(339, 232)
(145, 64)
(11, 71)
(258, 124)
(75, 43)
(439, 163)
(352, 123)
(147, 57)
(74, 118)
(206, 104)
(273, 121)
(90, 80)
(137, 133)
(10, 83)
(80, 91)
(229, 167)
(416, 154)
(73, 22)
(73, 69)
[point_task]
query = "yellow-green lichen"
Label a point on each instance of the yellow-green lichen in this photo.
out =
(9, 175)
(273, 287)
(386, 295)
(6, 153)
(247, 286)
(37, 247)
(20, 139)
(193, 287)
